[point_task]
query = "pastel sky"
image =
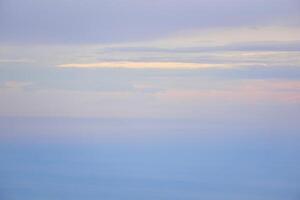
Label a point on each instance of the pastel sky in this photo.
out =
(171, 69)
(153, 59)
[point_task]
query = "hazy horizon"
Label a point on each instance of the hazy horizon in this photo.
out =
(153, 100)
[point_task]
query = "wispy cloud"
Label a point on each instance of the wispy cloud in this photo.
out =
(153, 65)
(228, 36)
(16, 84)
(16, 61)
(165, 99)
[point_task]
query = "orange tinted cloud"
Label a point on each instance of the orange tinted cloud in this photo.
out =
(146, 65)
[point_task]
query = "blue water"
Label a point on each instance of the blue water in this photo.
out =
(182, 166)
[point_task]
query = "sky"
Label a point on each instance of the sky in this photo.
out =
(138, 81)
(158, 59)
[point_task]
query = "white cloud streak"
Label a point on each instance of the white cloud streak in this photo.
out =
(153, 65)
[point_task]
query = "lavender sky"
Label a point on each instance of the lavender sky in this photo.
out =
(217, 79)
(153, 59)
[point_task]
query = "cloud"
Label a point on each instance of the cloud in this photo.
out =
(228, 38)
(16, 61)
(16, 84)
(166, 99)
(200, 49)
(152, 65)
(94, 21)
(271, 46)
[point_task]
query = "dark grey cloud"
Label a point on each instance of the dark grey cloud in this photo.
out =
(67, 21)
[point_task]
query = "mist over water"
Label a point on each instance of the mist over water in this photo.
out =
(149, 100)
(171, 162)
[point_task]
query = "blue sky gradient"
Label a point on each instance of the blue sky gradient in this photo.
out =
(136, 99)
